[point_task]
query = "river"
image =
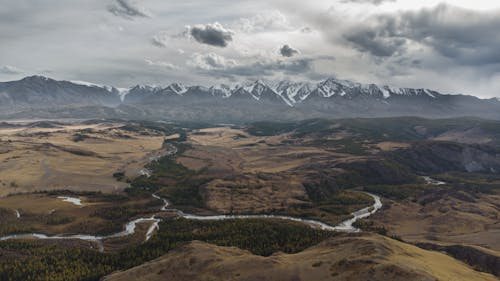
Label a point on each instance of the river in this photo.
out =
(345, 226)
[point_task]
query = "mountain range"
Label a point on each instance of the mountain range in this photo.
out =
(42, 97)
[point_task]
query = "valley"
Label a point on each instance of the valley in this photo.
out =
(334, 140)
(308, 177)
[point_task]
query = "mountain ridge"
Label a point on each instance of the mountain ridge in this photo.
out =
(258, 100)
(285, 89)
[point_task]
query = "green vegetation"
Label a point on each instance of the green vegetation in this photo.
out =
(376, 129)
(262, 129)
(332, 209)
(114, 210)
(173, 181)
(373, 172)
(58, 219)
(398, 192)
(162, 128)
(369, 225)
(41, 260)
(78, 137)
(119, 176)
(349, 146)
(472, 182)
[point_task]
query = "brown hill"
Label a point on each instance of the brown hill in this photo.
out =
(347, 257)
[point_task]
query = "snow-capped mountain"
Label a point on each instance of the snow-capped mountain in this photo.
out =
(39, 91)
(294, 91)
(249, 101)
(221, 91)
(177, 88)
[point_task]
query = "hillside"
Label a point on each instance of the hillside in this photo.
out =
(361, 257)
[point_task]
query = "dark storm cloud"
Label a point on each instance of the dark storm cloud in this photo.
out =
(128, 9)
(367, 40)
(265, 69)
(288, 51)
(474, 41)
(211, 34)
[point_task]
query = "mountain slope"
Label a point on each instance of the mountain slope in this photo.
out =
(359, 257)
(38, 91)
(38, 96)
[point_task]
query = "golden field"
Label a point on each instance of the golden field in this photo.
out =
(38, 158)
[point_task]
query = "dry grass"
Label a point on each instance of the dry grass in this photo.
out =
(389, 146)
(366, 257)
(38, 210)
(48, 158)
(446, 220)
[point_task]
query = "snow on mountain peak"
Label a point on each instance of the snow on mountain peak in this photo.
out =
(294, 91)
(221, 90)
(332, 86)
(85, 83)
(385, 91)
(289, 92)
(177, 88)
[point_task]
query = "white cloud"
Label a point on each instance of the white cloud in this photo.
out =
(264, 21)
(10, 70)
(210, 61)
(254, 31)
(161, 39)
(162, 64)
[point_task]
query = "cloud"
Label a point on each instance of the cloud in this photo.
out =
(160, 40)
(306, 29)
(268, 68)
(128, 9)
(210, 61)
(214, 65)
(211, 34)
(374, 2)
(367, 40)
(441, 29)
(11, 70)
(264, 21)
(162, 64)
(288, 51)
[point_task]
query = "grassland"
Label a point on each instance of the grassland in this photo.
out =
(80, 157)
(357, 257)
(311, 169)
(44, 212)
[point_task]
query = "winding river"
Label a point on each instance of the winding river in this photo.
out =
(345, 226)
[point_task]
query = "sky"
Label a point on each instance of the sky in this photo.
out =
(452, 46)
